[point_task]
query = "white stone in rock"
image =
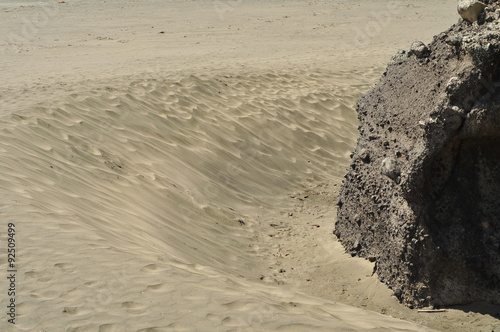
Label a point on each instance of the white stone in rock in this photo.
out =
(418, 48)
(470, 9)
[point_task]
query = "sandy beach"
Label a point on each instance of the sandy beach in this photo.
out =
(174, 165)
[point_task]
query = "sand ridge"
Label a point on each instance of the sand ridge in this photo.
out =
(123, 197)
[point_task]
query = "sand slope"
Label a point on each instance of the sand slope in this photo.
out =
(128, 200)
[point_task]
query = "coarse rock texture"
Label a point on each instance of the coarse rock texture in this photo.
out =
(421, 197)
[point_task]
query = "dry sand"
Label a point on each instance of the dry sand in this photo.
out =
(174, 165)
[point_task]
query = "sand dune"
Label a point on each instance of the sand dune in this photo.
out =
(139, 191)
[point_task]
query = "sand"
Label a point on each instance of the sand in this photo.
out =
(174, 165)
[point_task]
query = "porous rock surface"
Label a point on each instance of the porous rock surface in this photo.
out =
(422, 195)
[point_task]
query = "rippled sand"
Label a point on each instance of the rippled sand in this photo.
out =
(129, 201)
(186, 180)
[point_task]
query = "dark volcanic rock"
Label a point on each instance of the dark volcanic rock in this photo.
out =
(422, 195)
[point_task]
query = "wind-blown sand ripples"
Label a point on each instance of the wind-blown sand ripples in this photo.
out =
(151, 190)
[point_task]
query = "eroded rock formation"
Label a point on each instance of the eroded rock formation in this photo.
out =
(422, 196)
